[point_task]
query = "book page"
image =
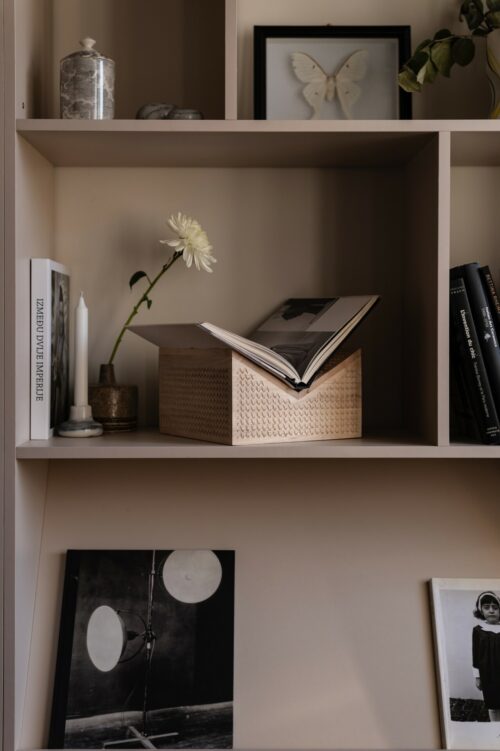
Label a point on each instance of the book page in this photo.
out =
(301, 327)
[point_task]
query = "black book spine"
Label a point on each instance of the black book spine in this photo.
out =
(491, 294)
(483, 321)
(469, 356)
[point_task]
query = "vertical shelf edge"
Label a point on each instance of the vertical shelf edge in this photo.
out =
(8, 299)
(444, 221)
(231, 60)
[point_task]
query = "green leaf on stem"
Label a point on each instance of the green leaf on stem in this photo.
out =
(462, 51)
(417, 61)
(494, 19)
(441, 57)
(442, 34)
(430, 72)
(135, 278)
(148, 302)
(408, 81)
(473, 12)
(423, 46)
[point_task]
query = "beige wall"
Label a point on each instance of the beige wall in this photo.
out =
(466, 94)
(333, 629)
(174, 52)
(276, 233)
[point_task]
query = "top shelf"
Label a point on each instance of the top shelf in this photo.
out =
(254, 143)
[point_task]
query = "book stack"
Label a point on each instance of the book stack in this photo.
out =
(475, 354)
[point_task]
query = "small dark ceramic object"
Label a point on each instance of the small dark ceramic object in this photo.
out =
(113, 405)
(155, 111)
(184, 114)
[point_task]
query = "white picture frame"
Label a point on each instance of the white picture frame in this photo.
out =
(466, 718)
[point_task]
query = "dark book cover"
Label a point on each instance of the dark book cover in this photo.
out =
(463, 422)
(484, 325)
(492, 295)
(467, 355)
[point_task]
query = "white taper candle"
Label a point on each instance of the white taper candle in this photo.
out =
(81, 353)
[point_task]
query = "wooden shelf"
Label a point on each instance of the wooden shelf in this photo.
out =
(219, 143)
(253, 143)
(153, 445)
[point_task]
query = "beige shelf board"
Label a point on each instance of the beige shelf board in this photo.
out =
(152, 445)
(221, 143)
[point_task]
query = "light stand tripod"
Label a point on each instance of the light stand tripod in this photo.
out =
(149, 640)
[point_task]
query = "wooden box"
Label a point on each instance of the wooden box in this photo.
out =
(217, 395)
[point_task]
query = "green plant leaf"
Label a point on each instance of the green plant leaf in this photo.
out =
(418, 61)
(408, 81)
(462, 51)
(430, 72)
(442, 34)
(148, 302)
(135, 277)
(423, 45)
(493, 4)
(473, 12)
(441, 57)
(494, 19)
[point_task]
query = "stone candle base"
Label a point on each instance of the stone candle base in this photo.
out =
(80, 424)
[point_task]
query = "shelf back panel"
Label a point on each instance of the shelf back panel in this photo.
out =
(276, 234)
(169, 51)
(332, 619)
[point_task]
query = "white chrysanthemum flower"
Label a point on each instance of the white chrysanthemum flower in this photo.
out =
(191, 241)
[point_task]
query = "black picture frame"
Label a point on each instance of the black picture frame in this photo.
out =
(264, 33)
(186, 686)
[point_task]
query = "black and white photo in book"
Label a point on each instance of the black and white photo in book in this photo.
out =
(145, 657)
(467, 635)
(50, 300)
(59, 362)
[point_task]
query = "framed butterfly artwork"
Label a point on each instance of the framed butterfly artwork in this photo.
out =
(330, 72)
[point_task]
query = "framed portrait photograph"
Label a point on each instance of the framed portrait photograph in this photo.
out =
(467, 636)
(330, 72)
(145, 656)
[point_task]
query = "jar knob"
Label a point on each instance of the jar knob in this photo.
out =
(87, 43)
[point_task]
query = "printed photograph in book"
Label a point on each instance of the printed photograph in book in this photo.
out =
(145, 657)
(59, 364)
(467, 635)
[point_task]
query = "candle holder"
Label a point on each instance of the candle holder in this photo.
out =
(80, 424)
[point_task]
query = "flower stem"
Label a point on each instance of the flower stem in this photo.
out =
(144, 298)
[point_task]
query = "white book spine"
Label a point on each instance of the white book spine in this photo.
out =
(49, 387)
(40, 348)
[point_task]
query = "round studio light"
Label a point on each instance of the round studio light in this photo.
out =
(192, 575)
(106, 638)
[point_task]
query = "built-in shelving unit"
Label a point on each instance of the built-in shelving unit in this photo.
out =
(292, 208)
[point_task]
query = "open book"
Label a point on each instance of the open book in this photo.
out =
(293, 343)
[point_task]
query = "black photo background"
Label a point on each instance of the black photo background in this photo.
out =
(193, 653)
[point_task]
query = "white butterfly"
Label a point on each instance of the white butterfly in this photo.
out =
(320, 86)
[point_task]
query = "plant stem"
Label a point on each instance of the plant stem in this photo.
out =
(144, 298)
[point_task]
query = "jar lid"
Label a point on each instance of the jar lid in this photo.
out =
(87, 51)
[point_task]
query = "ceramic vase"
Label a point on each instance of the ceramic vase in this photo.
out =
(113, 405)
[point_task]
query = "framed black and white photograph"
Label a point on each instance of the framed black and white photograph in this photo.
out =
(330, 72)
(145, 657)
(467, 635)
